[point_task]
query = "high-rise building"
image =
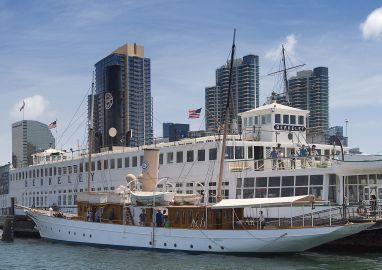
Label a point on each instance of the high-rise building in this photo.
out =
(244, 92)
(337, 131)
(175, 132)
(4, 179)
(309, 90)
(123, 103)
(29, 137)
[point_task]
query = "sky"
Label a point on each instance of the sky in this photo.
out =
(48, 49)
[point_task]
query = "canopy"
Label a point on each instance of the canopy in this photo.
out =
(264, 202)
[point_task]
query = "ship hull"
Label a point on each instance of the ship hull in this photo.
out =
(189, 240)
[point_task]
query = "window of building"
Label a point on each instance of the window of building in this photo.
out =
(179, 157)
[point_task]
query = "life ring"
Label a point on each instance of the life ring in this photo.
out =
(361, 210)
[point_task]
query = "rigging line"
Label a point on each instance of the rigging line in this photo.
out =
(75, 131)
(78, 108)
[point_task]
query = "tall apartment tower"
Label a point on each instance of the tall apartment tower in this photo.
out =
(244, 92)
(29, 137)
(122, 101)
(309, 90)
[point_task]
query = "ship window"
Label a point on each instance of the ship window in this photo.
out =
(273, 192)
(127, 162)
(213, 152)
(372, 179)
(34, 173)
(38, 172)
(179, 157)
(316, 191)
(274, 182)
(55, 171)
(261, 192)
(316, 180)
(256, 120)
(263, 120)
(239, 152)
(229, 152)
(64, 170)
(140, 160)
(99, 165)
(250, 121)
(119, 163)
(301, 180)
(301, 120)
(245, 121)
(249, 182)
(286, 118)
(170, 157)
(287, 192)
(46, 171)
(277, 118)
(261, 182)
(190, 156)
(239, 182)
(112, 163)
(293, 119)
(250, 152)
(288, 181)
(42, 181)
(105, 164)
(50, 171)
(161, 159)
(69, 170)
(59, 200)
(135, 161)
(301, 191)
(81, 167)
(201, 155)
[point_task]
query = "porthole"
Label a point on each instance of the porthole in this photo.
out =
(69, 233)
(191, 246)
(90, 235)
(165, 244)
(74, 233)
(83, 235)
(209, 247)
(59, 230)
(222, 247)
(174, 245)
(150, 243)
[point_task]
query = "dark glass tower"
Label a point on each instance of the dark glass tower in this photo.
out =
(123, 99)
(245, 92)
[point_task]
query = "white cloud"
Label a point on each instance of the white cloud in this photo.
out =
(372, 26)
(290, 44)
(35, 107)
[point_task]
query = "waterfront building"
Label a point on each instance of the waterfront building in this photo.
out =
(309, 90)
(122, 101)
(245, 93)
(175, 131)
(337, 131)
(29, 137)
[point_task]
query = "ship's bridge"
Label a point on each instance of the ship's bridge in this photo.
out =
(48, 156)
(275, 122)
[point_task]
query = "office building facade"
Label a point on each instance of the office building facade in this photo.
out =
(29, 137)
(122, 100)
(244, 93)
(175, 132)
(309, 90)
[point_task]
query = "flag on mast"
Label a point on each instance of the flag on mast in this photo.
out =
(52, 125)
(22, 106)
(193, 114)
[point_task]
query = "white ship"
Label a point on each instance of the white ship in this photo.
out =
(111, 219)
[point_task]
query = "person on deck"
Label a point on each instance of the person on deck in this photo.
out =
(98, 215)
(303, 154)
(274, 155)
(159, 218)
(142, 218)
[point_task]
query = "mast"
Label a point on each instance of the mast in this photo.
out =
(226, 118)
(285, 76)
(91, 136)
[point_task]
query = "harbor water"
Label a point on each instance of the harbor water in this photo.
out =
(39, 254)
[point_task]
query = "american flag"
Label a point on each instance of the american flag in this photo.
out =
(193, 114)
(52, 125)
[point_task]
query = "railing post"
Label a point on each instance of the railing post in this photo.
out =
(312, 216)
(303, 216)
(330, 214)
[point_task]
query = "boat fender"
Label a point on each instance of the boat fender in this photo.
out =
(361, 210)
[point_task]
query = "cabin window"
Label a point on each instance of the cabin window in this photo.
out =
(64, 200)
(135, 161)
(278, 118)
(59, 170)
(179, 157)
(263, 120)
(239, 182)
(119, 163)
(288, 181)
(99, 165)
(239, 152)
(287, 192)
(213, 152)
(55, 171)
(301, 191)
(161, 159)
(302, 180)
(332, 192)
(81, 168)
(190, 156)
(261, 182)
(93, 165)
(286, 118)
(273, 192)
(256, 120)
(170, 157)
(316, 180)
(69, 199)
(250, 152)
(46, 171)
(250, 121)
(63, 171)
(38, 173)
(201, 155)
(127, 162)
(293, 119)
(274, 181)
(105, 164)
(229, 152)
(301, 120)
(86, 166)
(140, 160)
(34, 173)
(59, 200)
(112, 163)
(50, 181)
(69, 170)
(50, 171)
(249, 182)
(245, 121)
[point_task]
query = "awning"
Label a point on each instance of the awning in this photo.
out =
(264, 202)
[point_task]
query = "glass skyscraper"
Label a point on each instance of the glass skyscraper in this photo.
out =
(309, 90)
(29, 137)
(123, 100)
(244, 92)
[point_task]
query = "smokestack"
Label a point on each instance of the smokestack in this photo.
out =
(150, 167)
